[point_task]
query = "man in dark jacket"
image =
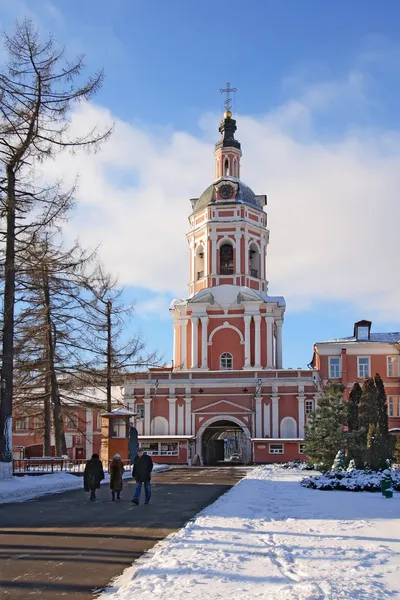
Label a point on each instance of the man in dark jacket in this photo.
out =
(142, 468)
(93, 475)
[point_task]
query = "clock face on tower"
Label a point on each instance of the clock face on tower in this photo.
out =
(226, 191)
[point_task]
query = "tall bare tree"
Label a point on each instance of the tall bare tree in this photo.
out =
(38, 87)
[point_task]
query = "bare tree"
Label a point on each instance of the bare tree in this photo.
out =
(38, 87)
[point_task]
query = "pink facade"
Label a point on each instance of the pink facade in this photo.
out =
(227, 384)
(365, 353)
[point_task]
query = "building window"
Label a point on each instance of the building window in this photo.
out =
(363, 366)
(98, 421)
(309, 406)
(301, 448)
(363, 333)
(151, 448)
(393, 366)
(334, 367)
(71, 421)
(276, 448)
(22, 423)
(394, 406)
(169, 449)
(226, 259)
(118, 428)
(139, 411)
(226, 361)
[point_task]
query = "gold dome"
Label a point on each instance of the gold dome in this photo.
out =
(227, 114)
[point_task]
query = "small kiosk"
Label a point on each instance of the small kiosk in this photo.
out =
(115, 433)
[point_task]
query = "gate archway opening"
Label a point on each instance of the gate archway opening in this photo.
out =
(225, 442)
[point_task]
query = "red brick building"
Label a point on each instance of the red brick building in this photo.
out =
(361, 355)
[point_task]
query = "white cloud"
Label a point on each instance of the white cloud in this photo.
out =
(333, 206)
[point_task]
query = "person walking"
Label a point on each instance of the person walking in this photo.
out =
(116, 473)
(142, 468)
(93, 475)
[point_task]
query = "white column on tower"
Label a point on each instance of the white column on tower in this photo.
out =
(206, 254)
(238, 253)
(246, 253)
(267, 420)
(247, 354)
(195, 329)
(183, 343)
(188, 416)
(213, 239)
(204, 340)
(176, 337)
(279, 324)
(257, 341)
(192, 262)
(262, 259)
(269, 320)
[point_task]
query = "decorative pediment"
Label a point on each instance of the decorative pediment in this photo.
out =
(222, 406)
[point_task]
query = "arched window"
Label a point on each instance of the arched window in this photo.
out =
(199, 262)
(226, 167)
(288, 428)
(159, 426)
(226, 259)
(226, 361)
(254, 260)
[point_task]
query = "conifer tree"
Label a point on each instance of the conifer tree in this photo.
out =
(324, 435)
(382, 436)
(355, 436)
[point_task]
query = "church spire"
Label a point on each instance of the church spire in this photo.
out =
(227, 150)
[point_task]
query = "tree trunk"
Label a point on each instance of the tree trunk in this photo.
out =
(8, 326)
(47, 416)
(59, 435)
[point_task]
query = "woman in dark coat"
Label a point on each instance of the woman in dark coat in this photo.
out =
(93, 475)
(116, 473)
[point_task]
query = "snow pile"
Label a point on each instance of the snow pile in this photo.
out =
(27, 487)
(353, 481)
(270, 538)
(296, 464)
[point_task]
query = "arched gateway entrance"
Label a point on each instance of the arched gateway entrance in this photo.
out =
(225, 441)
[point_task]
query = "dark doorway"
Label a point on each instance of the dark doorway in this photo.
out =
(224, 442)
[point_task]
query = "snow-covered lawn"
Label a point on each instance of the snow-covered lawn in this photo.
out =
(270, 538)
(27, 487)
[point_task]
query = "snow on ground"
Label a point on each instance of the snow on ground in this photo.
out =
(27, 487)
(270, 538)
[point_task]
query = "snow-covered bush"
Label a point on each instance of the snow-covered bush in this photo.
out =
(352, 466)
(338, 463)
(354, 481)
(297, 464)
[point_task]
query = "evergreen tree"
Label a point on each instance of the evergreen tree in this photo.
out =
(338, 463)
(324, 435)
(382, 438)
(355, 436)
(396, 449)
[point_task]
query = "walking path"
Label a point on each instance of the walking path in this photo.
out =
(268, 538)
(63, 546)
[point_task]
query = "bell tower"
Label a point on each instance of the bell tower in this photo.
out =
(228, 322)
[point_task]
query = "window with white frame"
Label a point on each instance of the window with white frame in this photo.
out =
(226, 361)
(334, 367)
(301, 448)
(151, 448)
(363, 367)
(98, 421)
(71, 421)
(161, 448)
(394, 406)
(309, 404)
(22, 423)
(276, 448)
(139, 410)
(393, 366)
(118, 428)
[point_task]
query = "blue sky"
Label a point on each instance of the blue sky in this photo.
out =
(317, 110)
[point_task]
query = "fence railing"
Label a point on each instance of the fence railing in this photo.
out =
(55, 465)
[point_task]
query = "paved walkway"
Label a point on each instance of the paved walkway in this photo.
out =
(63, 546)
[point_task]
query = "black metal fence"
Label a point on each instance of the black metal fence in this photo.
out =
(41, 466)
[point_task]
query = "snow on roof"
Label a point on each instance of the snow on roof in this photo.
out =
(166, 437)
(390, 338)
